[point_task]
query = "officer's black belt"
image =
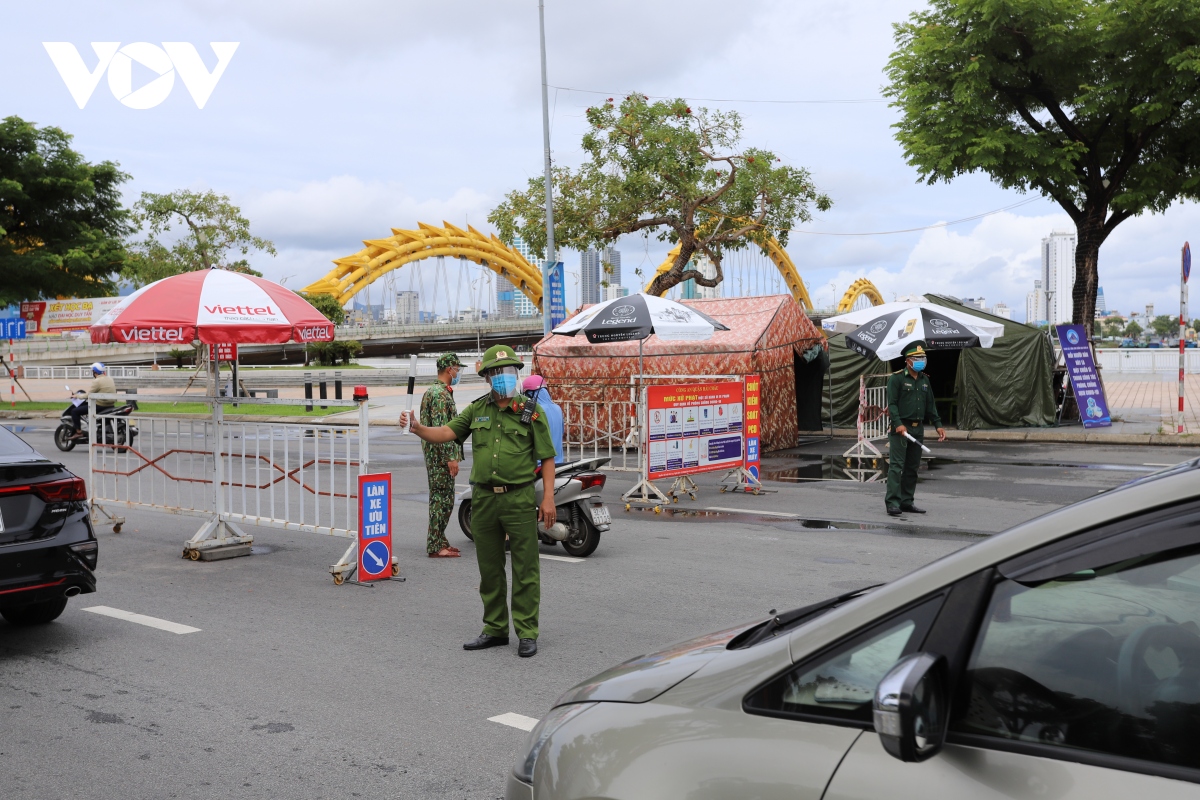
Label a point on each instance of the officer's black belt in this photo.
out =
(501, 488)
(916, 422)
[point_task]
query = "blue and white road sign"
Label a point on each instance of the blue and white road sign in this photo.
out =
(12, 328)
(375, 526)
(376, 558)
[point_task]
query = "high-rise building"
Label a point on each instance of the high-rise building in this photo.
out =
(1035, 305)
(1101, 307)
(522, 305)
(1058, 276)
(408, 308)
(1149, 311)
(979, 303)
(1002, 310)
(612, 292)
(597, 268)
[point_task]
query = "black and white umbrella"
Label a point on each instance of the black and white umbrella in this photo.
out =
(884, 331)
(624, 319)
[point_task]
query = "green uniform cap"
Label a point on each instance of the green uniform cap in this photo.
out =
(500, 355)
(913, 349)
(446, 360)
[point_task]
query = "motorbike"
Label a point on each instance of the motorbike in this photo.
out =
(582, 515)
(117, 431)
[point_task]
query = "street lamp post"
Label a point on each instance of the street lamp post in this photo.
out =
(550, 259)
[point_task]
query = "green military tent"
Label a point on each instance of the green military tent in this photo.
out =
(1008, 385)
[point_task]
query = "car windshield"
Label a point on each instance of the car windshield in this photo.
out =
(13, 445)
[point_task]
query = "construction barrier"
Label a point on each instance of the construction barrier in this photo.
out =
(299, 475)
(873, 424)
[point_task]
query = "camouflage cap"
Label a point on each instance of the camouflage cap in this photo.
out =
(500, 355)
(448, 360)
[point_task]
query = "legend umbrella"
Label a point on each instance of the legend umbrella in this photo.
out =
(883, 331)
(624, 319)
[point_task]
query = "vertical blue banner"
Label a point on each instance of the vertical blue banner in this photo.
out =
(558, 295)
(1085, 381)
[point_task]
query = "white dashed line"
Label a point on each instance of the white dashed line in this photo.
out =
(568, 559)
(515, 721)
(142, 619)
(752, 511)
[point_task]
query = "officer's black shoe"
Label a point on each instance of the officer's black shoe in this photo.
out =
(527, 648)
(893, 511)
(484, 641)
(913, 510)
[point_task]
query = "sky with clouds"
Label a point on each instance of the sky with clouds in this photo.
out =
(335, 122)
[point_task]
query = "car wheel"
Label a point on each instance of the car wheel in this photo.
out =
(34, 613)
(464, 518)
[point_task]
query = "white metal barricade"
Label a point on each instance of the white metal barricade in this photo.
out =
(595, 429)
(298, 475)
(872, 424)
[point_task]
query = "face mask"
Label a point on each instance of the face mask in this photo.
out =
(918, 366)
(504, 385)
(454, 380)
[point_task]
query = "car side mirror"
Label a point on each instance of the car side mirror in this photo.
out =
(910, 707)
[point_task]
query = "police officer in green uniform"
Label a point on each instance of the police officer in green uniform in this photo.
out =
(910, 408)
(508, 441)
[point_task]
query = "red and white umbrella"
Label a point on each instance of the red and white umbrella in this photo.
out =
(215, 306)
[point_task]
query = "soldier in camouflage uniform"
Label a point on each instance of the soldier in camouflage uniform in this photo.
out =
(441, 460)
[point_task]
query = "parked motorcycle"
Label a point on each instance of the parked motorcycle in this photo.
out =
(582, 515)
(117, 431)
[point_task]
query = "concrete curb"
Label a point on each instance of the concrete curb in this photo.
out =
(1054, 436)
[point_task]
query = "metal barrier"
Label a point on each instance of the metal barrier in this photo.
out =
(78, 373)
(873, 424)
(1145, 361)
(595, 429)
(300, 476)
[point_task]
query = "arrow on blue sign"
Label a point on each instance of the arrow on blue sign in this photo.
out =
(12, 328)
(376, 558)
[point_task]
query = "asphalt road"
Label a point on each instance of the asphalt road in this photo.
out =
(294, 687)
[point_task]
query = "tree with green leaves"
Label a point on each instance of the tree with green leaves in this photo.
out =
(328, 305)
(1113, 327)
(1133, 330)
(187, 231)
(1092, 103)
(661, 169)
(62, 225)
(1165, 325)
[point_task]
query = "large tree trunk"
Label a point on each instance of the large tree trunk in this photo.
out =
(665, 280)
(1089, 234)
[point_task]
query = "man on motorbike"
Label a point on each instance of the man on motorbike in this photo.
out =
(101, 384)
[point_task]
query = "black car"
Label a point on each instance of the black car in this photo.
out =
(47, 547)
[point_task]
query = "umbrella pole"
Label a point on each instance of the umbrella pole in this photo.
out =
(640, 361)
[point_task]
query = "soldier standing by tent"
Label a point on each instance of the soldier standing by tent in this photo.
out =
(910, 407)
(441, 460)
(508, 440)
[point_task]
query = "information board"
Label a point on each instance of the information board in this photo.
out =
(61, 316)
(225, 351)
(753, 423)
(558, 295)
(1085, 380)
(696, 427)
(374, 526)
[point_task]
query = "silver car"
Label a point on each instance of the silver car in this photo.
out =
(1060, 659)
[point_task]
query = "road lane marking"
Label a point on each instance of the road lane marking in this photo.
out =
(752, 511)
(142, 619)
(568, 559)
(515, 721)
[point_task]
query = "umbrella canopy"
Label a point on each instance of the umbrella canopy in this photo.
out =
(215, 306)
(884, 331)
(624, 319)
